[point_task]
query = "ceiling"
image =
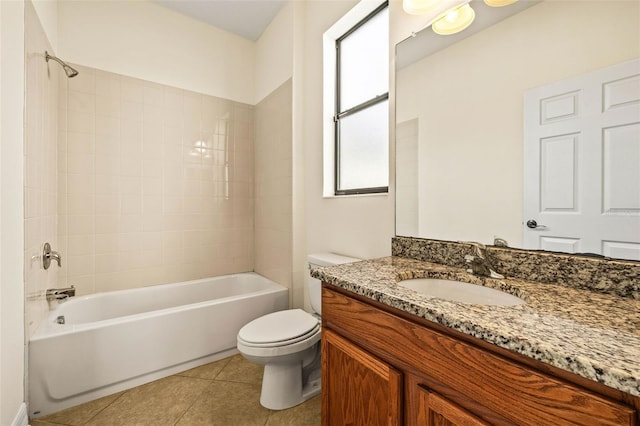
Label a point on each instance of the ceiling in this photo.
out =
(246, 18)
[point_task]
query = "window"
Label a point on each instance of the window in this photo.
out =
(361, 119)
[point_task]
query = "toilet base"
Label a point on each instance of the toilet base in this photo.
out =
(285, 385)
(282, 386)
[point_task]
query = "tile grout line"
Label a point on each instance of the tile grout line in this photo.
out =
(236, 381)
(194, 402)
(201, 396)
(266, 422)
(106, 406)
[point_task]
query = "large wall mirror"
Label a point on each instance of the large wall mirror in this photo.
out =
(461, 119)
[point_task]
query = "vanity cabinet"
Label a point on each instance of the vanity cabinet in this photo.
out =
(383, 367)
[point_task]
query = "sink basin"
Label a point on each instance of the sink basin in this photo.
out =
(458, 291)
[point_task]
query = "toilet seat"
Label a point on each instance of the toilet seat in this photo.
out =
(279, 329)
(281, 342)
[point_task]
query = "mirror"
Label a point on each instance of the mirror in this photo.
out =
(460, 111)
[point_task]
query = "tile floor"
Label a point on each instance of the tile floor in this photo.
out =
(225, 392)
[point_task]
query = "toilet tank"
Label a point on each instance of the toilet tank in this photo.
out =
(315, 286)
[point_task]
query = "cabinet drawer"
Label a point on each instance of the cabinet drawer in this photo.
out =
(514, 391)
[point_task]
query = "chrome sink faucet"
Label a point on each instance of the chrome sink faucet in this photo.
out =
(60, 293)
(479, 263)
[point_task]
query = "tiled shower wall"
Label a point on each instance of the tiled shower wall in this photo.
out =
(155, 183)
(273, 186)
(40, 168)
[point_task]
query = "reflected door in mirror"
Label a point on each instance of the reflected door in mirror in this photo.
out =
(582, 164)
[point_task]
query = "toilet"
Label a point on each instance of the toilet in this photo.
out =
(287, 343)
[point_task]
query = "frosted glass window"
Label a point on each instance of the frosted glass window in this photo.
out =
(364, 149)
(362, 106)
(364, 61)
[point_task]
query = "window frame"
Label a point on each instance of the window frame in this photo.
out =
(338, 114)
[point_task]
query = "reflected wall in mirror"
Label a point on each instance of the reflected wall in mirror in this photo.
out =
(460, 114)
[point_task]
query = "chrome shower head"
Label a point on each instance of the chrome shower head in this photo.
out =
(70, 71)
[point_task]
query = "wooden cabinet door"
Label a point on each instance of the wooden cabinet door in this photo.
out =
(434, 410)
(357, 388)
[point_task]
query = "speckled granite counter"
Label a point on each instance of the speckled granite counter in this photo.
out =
(593, 335)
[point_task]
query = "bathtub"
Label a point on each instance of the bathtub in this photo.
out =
(117, 340)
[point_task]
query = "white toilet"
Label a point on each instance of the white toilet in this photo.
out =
(287, 343)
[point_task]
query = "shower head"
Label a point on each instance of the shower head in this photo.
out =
(71, 72)
(67, 69)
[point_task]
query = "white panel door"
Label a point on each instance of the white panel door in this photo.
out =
(582, 164)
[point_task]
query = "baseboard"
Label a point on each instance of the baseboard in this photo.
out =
(21, 418)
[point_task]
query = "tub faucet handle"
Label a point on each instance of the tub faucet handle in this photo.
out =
(48, 255)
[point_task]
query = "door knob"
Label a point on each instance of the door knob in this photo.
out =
(531, 223)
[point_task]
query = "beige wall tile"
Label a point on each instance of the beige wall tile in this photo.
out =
(107, 164)
(80, 265)
(81, 102)
(107, 263)
(152, 223)
(106, 243)
(153, 94)
(108, 106)
(107, 125)
(80, 204)
(272, 183)
(107, 84)
(132, 89)
(84, 284)
(80, 143)
(84, 82)
(107, 224)
(130, 110)
(148, 173)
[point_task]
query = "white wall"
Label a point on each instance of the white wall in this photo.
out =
(12, 349)
(274, 54)
(47, 12)
(359, 226)
(299, 245)
(147, 41)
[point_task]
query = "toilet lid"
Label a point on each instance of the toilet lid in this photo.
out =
(279, 327)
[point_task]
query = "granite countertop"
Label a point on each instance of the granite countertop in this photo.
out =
(596, 336)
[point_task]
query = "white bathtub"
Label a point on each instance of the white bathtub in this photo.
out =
(116, 340)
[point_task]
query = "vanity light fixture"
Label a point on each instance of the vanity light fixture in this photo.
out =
(424, 7)
(445, 16)
(454, 21)
(499, 3)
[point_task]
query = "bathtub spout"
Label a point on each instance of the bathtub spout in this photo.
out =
(60, 293)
